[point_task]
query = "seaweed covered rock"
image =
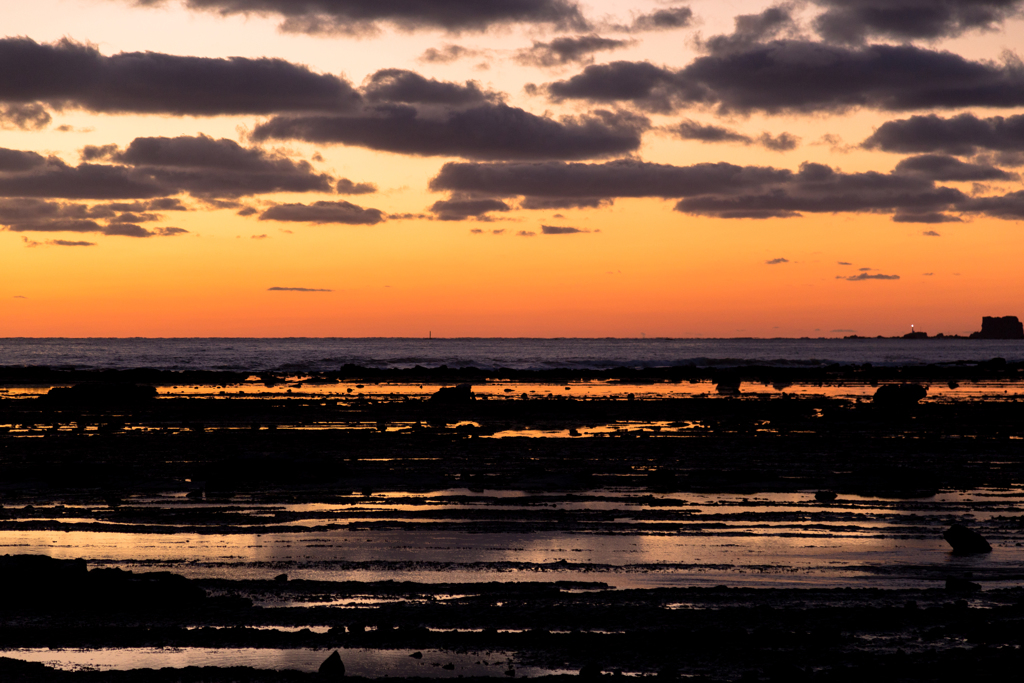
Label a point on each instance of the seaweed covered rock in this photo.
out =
(966, 541)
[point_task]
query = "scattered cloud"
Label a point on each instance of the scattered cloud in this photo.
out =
(962, 135)
(801, 76)
(931, 233)
(488, 131)
(845, 263)
(854, 21)
(323, 212)
(692, 130)
(297, 289)
(447, 54)
(776, 261)
(460, 209)
(526, 233)
(666, 19)
(867, 276)
(942, 167)
(346, 186)
(66, 74)
(557, 230)
(408, 87)
(69, 243)
(24, 116)
(568, 50)
(363, 17)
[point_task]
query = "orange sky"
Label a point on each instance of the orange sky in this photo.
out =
(634, 265)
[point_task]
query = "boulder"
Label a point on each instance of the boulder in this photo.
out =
(966, 541)
(460, 393)
(590, 671)
(955, 584)
(899, 396)
(825, 496)
(332, 667)
(1005, 327)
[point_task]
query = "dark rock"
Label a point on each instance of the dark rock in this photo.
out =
(965, 541)
(332, 667)
(955, 584)
(449, 667)
(1006, 327)
(100, 395)
(899, 396)
(460, 393)
(590, 671)
(281, 578)
(825, 496)
(417, 655)
(511, 673)
(953, 384)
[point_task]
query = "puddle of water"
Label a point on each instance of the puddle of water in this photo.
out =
(358, 661)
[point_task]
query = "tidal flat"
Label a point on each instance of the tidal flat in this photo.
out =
(669, 523)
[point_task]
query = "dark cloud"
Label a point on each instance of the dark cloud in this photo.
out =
(323, 212)
(867, 276)
(1009, 206)
(853, 21)
(927, 217)
(355, 17)
(204, 166)
(297, 289)
(783, 142)
(723, 190)
(845, 263)
(961, 135)
(526, 233)
(802, 76)
(549, 203)
(447, 54)
(70, 243)
(621, 178)
(28, 116)
(489, 131)
(14, 160)
(247, 211)
(37, 215)
(346, 186)
(56, 179)
(931, 233)
(663, 19)
(68, 74)
(568, 50)
(400, 85)
(777, 261)
(461, 209)
(941, 167)
(692, 130)
(751, 30)
(557, 230)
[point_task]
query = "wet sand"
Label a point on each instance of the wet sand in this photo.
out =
(645, 525)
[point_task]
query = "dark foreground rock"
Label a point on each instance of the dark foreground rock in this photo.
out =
(899, 396)
(966, 541)
(332, 667)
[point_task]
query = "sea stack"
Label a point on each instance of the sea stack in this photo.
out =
(1006, 327)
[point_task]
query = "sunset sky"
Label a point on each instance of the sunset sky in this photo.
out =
(510, 167)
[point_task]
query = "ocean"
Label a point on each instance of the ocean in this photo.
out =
(324, 354)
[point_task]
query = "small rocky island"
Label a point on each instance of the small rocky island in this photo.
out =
(1005, 327)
